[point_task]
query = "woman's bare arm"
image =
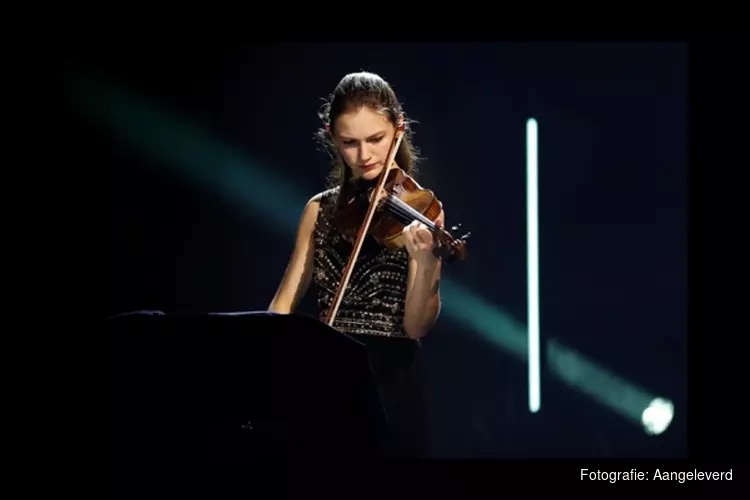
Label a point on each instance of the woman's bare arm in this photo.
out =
(298, 272)
(423, 292)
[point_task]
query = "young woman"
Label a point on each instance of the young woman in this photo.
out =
(392, 298)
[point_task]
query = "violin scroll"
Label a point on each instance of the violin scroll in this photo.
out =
(450, 247)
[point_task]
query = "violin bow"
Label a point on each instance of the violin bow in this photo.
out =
(377, 195)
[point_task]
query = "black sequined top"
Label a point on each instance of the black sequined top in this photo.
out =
(375, 298)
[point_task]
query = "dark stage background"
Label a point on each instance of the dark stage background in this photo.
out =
(613, 258)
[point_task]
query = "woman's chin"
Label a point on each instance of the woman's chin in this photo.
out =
(371, 174)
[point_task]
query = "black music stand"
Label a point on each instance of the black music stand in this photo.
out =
(221, 388)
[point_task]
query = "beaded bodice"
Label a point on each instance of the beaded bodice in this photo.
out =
(374, 301)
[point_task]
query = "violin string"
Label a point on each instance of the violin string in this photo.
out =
(408, 213)
(405, 216)
(401, 217)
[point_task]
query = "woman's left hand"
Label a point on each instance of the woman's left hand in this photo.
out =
(420, 243)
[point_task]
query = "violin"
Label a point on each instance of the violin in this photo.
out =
(395, 201)
(404, 201)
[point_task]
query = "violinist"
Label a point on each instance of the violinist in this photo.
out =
(392, 297)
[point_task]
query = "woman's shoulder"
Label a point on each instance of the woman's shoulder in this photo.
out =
(324, 201)
(325, 196)
(319, 199)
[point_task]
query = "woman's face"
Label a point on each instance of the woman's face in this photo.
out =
(363, 137)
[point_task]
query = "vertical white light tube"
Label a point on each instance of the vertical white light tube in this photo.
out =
(532, 249)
